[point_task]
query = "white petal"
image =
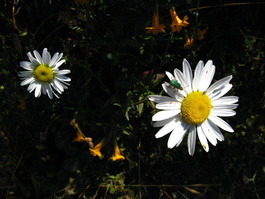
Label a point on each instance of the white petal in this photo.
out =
(26, 65)
(162, 122)
(49, 92)
(159, 98)
(180, 78)
(63, 72)
(223, 112)
(31, 87)
(221, 123)
(55, 87)
(63, 78)
(187, 72)
(215, 130)
(202, 138)
(53, 91)
(59, 63)
(177, 135)
(170, 76)
(168, 105)
(38, 90)
(32, 59)
(25, 74)
(222, 92)
(197, 76)
(207, 76)
(171, 92)
(27, 81)
(217, 85)
(184, 132)
(59, 86)
(59, 58)
(207, 130)
(192, 139)
(226, 106)
(176, 94)
(227, 100)
(167, 128)
(54, 59)
(43, 89)
(38, 57)
(162, 115)
(44, 56)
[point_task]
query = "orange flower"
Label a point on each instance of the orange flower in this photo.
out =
(79, 136)
(22, 104)
(156, 27)
(117, 154)
(96, 150)
(201, 33)
(188, 42)
(177, 23)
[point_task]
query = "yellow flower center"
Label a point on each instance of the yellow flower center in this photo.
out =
(43, 73)
(195, 108)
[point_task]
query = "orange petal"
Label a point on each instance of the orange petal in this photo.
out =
(79, 137)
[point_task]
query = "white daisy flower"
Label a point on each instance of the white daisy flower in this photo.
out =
(195, 107)
(43, 74)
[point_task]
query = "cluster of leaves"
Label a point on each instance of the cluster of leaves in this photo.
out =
(114, 66)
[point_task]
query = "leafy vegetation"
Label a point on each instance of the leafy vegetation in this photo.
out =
(114, 66)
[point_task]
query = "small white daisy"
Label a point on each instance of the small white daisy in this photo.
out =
(196, 109)
(43, 74)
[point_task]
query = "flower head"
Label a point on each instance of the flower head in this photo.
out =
(201, 33)
(188, 41)
(43, 74)
(96, 150)
(117, 154)
(177, 23)
(23, 102)
(79, 136)
(195, 110)
(156, 26)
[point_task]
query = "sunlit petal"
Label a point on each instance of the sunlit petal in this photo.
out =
(192, 139)
(168, 105)
(197, 76)
(162, 115)
(177, 135)
(221, 123)
(202, 138)
(167, 128)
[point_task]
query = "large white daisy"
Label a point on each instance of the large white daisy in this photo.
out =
(43, 74)
(196, 109)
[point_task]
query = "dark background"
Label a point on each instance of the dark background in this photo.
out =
(108, 52)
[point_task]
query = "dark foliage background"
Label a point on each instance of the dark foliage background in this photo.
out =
(108, 52)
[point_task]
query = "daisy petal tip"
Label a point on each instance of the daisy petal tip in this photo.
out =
(170, 146)
(169, 74)
(231, 131)
(150, 97)
(209, 62)
(206, 148)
